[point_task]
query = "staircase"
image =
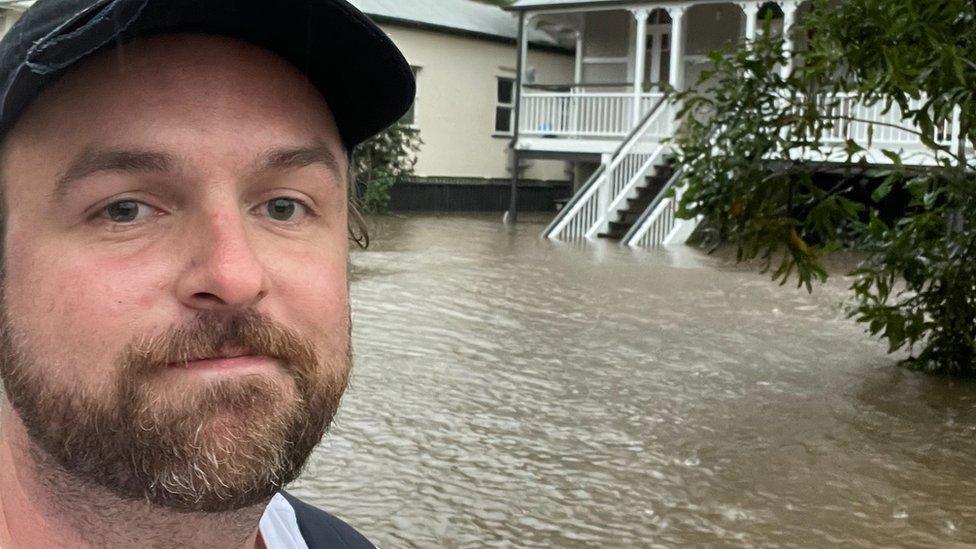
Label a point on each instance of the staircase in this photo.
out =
(654, 182)
(619, 181)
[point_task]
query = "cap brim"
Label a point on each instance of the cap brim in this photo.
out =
(359, 71)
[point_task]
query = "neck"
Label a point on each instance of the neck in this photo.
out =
(42, 505)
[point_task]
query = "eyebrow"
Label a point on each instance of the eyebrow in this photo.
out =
(92, 161)
(301, 157)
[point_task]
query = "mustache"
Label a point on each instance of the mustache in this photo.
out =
(212, 334)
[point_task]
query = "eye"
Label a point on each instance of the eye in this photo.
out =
(286, 209)
(127, 211)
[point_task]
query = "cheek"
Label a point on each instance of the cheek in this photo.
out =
(77, 310)
(313, 292)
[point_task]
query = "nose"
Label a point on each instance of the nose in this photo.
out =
(222, 269)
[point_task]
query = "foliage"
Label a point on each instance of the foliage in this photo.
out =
(737, 148)
(918, 285)
(746, 129)
(381, 162)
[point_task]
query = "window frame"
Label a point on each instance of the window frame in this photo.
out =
(416, 100)
(499, 105)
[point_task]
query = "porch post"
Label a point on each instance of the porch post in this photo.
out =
(640, 15)
(751, 11)
(789, 8)
(578, 71)
(520, 68)
(677, 75)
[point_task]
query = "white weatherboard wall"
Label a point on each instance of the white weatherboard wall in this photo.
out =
(456, 102)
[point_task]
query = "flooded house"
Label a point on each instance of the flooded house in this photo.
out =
(614, 118)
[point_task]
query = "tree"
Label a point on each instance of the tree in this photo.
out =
(747, 129)
(381, 162)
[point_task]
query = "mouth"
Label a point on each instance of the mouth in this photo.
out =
(226, 359)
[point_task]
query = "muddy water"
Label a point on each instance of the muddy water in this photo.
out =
(511, 392)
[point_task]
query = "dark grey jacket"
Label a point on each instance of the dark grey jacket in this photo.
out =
(324, 531)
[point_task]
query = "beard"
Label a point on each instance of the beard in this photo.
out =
(212, 446)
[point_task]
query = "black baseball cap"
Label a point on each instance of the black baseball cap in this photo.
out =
(360, 72)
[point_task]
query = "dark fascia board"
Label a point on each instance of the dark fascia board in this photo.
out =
(382, 19)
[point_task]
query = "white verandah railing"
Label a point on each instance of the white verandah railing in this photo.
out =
(605, 192)
(875, 127)
(582, 114)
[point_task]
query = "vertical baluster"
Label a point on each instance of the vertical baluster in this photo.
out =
(550, 111)
(604, 115)
(596, 105)
(612, 126)
(592, 105)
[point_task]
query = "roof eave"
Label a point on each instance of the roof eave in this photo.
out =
(564, 6)
(534, 44)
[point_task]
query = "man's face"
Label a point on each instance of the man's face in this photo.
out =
(182, 199)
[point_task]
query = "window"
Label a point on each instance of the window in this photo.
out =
(771, 10)
(410, 118)
(505, 105)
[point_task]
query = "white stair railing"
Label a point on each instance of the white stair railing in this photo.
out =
(617, 179)
(659, 221)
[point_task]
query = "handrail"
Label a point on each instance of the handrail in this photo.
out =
(639, 174)
(649, 211)
(575, 200)
(632, 136)
(641, 226)
(587, 189)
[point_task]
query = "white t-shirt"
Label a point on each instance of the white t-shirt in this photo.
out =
(279, 527)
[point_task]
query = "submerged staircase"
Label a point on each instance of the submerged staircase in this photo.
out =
(633, 196)
(619, 179)
(635, 207)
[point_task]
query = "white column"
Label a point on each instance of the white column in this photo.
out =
(524, 49)
(640, 52)
(789, 8)
(677, 74)
(751, 11)
(578, 73)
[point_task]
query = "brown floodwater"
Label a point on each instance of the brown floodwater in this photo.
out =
(515, 392)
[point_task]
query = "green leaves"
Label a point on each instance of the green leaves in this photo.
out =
(746, 129)
(381, 162)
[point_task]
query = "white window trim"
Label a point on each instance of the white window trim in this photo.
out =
(498, 105)
(416, 98)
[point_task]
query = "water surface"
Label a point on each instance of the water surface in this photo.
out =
(513, 392)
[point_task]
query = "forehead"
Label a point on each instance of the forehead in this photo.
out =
(177, 92)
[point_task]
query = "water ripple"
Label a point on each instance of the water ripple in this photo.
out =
(514, 392)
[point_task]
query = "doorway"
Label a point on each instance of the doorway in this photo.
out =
(658, 69)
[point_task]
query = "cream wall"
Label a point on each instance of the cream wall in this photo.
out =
(456, 99)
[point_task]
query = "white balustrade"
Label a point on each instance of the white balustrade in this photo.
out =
(581, 115)
(880, 127)
(617, 180)
(875, 127)
(654, 230)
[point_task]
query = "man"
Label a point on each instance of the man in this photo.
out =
(175, 308)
